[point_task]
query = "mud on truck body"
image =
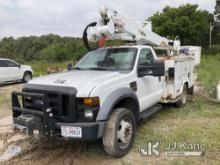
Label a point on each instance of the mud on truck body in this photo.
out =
(107, 92)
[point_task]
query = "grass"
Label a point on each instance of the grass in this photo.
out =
(209, 72)
(40, 67)
(198, 122)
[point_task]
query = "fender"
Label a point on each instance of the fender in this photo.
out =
(114, 98)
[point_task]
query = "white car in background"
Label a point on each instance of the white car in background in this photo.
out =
(11, 71)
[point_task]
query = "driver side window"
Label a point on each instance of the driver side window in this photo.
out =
(2, 63)
(146, 57)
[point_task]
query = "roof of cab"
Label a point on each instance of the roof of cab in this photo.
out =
(4, 59)
(128, 46)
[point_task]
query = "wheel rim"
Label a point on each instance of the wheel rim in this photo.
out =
(184, 96)
(27, 78)
(124, 133)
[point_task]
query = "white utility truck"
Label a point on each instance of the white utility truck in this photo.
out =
(11, 71)
(110, 89)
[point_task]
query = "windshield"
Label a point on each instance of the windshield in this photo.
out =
(108, 59)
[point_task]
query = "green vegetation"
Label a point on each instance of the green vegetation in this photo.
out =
(49, 48)
(187, 22)
(212, 51)
(40, 67)
(198, 122)
(209, 72)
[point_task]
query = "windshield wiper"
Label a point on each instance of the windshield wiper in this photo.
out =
(77, 68)
(98, 68)
(93, 68)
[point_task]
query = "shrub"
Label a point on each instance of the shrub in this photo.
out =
(213, 50)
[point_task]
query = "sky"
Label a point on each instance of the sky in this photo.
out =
(69, 17)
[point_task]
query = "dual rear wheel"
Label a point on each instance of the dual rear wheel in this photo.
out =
(183, 97)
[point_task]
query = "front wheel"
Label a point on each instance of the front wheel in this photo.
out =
(120, 132)
(27, 77)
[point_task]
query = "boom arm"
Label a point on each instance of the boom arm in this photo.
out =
(114, 26)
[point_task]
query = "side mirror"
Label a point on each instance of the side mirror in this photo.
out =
(19, 65)
(155, 69)
(69, 67)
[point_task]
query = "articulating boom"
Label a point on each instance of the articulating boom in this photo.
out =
(113, 26)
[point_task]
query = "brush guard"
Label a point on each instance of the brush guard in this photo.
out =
(35, 122)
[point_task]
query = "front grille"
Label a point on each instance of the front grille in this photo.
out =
(62, 104)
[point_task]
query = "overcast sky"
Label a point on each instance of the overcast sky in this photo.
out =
(69, 17)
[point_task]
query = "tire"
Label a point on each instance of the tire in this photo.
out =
(119, 133)
(183, 98)
(27, 77)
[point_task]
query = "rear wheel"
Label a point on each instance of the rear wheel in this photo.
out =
(27, 77)
(183, 97)
(120, 132)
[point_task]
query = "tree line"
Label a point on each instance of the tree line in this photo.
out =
(48, 48)
(187, 21)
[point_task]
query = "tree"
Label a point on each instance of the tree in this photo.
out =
(186, 21)
(45, 48)
(217, 12)
(216, 20)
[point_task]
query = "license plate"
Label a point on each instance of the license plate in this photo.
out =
(75, 132)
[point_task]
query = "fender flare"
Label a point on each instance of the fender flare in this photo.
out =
(114, 98)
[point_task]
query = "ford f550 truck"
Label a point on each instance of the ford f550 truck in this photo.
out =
(109, 90)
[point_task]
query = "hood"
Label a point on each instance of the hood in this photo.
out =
(25, 67)
(83, 81)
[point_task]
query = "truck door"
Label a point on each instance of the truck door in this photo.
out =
(150, 88)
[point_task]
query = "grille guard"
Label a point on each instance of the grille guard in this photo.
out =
(45, 121)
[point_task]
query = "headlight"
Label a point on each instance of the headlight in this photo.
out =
(88, 109)
(88, 113)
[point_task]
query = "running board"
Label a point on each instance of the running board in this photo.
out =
(149, 112)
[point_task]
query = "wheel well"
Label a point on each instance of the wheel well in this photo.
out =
(28, 72)
(190, 90)
(187, 84)
(130, 104)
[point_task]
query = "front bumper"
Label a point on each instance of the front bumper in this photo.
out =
(90, 130)
(42, 123)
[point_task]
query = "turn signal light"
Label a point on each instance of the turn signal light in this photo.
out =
(91, 101)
